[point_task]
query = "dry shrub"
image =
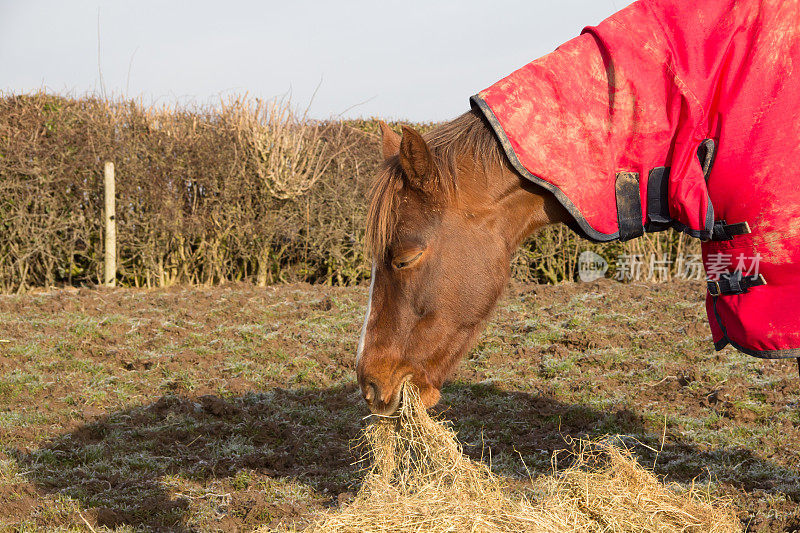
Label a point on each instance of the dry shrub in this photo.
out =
(421, 481)
(247, 190)
(288, 150)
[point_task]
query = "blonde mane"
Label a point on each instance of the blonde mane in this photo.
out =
(467, 134)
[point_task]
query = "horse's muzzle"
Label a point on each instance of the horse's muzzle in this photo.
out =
(381, 399)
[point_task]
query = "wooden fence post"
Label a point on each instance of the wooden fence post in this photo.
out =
(110, 274)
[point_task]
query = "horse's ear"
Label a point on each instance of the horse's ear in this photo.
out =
(416, 160)
(391, 140)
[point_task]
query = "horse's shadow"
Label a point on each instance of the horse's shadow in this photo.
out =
(128, 464)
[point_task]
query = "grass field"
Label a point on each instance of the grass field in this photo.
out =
(227, 408)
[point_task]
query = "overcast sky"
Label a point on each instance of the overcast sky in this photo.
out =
(417, 60)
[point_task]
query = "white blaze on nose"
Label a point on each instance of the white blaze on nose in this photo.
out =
(366, 316)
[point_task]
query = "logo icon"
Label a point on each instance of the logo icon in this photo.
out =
(591, 266)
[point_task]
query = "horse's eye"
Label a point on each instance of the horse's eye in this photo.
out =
(406, 260)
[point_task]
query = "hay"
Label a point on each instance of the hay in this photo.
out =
(421, 481)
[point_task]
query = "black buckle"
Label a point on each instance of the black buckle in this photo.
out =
(733, 283)
(725, 232)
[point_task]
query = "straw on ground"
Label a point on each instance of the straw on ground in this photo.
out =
(419, 480)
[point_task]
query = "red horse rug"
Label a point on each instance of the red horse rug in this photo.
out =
(678, 114)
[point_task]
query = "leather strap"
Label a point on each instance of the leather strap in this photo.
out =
(629, 206)
(706, 153)
(657, 206)
(726, 232)
(734, 283)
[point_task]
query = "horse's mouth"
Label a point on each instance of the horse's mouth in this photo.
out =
(392, 407)
(429, 395)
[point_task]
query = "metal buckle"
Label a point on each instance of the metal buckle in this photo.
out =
(715, 286)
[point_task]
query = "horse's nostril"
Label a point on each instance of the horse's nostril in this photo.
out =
(371, 393)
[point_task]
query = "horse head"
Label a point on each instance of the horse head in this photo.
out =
(446, 213)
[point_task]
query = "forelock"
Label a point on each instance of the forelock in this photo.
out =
(384, 198)
(468, 134)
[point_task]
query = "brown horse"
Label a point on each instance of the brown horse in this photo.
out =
(447, 210)
(685, 112)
